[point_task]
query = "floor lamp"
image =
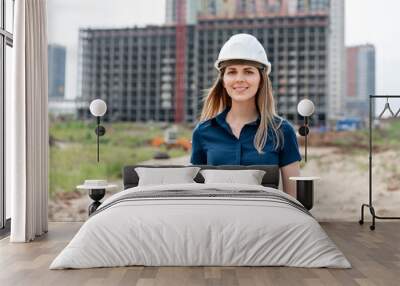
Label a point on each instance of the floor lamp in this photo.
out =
(98, 108)
(305, 108)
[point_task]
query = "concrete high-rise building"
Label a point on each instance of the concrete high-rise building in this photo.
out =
(56, 68)
(148, 74)
(336, 61)
(134, 71)
(360, 79)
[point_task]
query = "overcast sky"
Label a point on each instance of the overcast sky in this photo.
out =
(367, 21)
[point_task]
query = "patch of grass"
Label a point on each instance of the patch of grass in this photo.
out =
(123, 144)
(386, 136)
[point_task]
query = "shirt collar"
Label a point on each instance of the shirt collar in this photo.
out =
(221, 118)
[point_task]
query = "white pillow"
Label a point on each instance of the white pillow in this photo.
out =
(249, 177)
(163, 176)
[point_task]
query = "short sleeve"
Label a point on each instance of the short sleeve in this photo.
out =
(289, 152)
(198, 156)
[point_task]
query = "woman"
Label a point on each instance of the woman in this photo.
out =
(248, 130)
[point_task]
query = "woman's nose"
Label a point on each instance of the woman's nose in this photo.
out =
(239, 77)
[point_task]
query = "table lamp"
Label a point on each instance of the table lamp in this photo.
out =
(98, 108)
(305, 108)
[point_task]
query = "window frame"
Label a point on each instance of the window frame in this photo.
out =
(6, 39)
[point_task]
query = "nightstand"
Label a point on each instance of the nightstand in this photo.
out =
(96, 193)
(305, 190)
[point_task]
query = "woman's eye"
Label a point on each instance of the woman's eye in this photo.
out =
(249, 72)
(230, 72)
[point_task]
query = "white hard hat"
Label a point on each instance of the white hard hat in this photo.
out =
(243, 47)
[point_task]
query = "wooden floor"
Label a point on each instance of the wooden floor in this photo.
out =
(374, 255)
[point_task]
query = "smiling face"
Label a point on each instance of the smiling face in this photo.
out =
(241, 81)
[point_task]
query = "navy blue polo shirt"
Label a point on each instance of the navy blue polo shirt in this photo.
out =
(213, 143)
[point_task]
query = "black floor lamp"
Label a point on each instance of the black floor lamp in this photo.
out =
(305, 108)
(98, 108)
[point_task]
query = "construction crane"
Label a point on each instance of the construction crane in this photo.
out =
(180, 51)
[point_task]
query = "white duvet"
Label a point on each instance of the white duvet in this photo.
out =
(200, 231)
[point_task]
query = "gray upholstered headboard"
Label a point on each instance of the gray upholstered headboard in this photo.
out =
(270, 179)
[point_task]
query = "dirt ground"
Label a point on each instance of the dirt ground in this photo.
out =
(338, 195)
(344, 182)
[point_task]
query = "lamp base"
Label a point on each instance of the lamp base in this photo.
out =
(96, 195)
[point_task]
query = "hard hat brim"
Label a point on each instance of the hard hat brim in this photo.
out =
(219, 61)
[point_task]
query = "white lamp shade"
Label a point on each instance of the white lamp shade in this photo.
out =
(305, 107)
(98, 107)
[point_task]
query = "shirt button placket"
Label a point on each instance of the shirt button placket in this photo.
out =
(238, 152)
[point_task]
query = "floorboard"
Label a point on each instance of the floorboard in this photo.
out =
(374, 255)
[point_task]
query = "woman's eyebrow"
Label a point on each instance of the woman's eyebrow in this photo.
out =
(246, 68)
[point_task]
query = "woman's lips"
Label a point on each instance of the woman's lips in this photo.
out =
(240, 88)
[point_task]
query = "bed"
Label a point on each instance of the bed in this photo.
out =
(201, 224)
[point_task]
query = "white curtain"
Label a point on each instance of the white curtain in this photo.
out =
(27, 123)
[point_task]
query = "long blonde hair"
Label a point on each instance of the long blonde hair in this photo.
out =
(217, 99)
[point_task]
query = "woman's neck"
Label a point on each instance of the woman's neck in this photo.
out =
(242, 112)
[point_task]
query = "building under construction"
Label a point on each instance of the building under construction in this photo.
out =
(160, 73)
